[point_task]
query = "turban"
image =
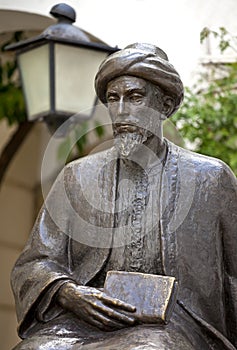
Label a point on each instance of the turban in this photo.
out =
(144, 61)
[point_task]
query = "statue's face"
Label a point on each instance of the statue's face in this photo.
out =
(133, 105)
(129, 99)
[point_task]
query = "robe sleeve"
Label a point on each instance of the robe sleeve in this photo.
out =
(229, 228)
(43, 265)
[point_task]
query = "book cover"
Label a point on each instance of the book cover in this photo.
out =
(154, 296)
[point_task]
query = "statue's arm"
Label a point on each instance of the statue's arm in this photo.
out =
(36, 278)
(229, 229)
(42, 279)
(42, 268)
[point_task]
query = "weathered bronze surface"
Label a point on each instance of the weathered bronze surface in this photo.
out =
(144, 206)
(154, 296)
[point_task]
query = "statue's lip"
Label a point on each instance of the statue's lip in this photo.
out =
(125, 127)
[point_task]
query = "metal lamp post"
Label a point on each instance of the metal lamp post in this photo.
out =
(57, 70)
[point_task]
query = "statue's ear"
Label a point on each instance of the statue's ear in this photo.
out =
(168, 105)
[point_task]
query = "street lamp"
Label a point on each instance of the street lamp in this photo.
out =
(57, 70)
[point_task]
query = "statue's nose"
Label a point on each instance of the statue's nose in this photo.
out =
(123, 109)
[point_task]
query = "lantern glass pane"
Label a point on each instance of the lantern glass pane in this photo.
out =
(75, 70)
(34, 67)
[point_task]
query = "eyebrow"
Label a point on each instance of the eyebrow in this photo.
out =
(131, 90)
(128, 91)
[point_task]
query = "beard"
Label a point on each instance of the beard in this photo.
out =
(127, 142)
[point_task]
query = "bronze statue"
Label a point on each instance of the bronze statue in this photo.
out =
(144, 206)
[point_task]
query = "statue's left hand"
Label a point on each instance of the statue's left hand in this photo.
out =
(96, 307)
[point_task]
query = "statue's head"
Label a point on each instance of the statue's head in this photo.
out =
(143, 61)
(140, 88)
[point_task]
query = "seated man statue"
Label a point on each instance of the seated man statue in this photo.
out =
(144, 206)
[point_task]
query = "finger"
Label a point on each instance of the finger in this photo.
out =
(117, 303)
(104, 322)
(97, 324)
(111, 313)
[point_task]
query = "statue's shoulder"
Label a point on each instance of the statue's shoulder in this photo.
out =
(90, 165)
(200, 163)
(94, 159)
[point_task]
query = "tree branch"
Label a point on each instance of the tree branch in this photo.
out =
(12, 147)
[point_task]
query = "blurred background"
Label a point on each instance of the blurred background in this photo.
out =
(199, 38)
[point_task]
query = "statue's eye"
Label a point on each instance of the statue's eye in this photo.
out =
(112, 98)
(136, 98)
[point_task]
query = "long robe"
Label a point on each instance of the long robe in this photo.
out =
(72, 237)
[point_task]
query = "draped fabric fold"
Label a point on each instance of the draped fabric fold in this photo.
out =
(198, 249)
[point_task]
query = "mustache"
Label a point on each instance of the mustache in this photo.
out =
(121, 127)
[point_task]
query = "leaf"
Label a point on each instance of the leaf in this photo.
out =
(223, 30)
(204, 34)
(99, 129)
(223, 45)
(64, 149)
(12, 106)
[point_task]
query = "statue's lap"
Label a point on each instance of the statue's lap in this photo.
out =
(174, 336)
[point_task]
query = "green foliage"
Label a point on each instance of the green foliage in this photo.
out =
(208, 117)
(225, 38)
(74, 145)
(12, 107)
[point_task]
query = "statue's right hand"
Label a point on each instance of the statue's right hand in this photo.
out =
(96, 307)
